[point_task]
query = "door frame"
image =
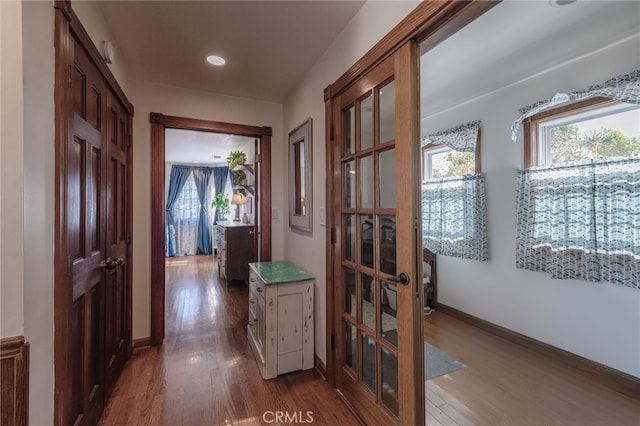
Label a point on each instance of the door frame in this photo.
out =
(429, 24)
(159, 123)
(68, 25)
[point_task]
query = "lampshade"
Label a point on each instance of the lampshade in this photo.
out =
(237, 199)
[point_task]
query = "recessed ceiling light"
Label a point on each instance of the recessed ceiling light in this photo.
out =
(216, 60)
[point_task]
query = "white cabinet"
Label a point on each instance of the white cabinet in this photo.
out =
(280, 328)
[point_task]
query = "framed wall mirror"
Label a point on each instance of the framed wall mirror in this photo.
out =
(300, 195)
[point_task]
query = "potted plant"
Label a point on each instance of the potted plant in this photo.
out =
(221, 203)
(235, 158)
(238, 177)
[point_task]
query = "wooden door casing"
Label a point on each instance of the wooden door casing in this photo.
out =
(93, 223)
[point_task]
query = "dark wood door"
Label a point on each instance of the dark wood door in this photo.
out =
(118, 238)
(85, 240)
(93, 227)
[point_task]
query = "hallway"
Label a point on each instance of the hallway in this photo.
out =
(205, 373)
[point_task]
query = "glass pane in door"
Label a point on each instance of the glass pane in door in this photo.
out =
(350, 292)
(350, 346)
(387, 179)
(350, 237)
(387, 124)
(366, 241)
(366, 182)
(389, 381)
(389, 312)
(369, 362)
(387, 244)
(349, 188)
(368, 287)
(366, 123)
(349, 130)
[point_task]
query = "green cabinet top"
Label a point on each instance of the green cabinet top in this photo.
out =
(279, 272)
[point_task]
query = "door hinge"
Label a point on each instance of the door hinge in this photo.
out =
(129, 140)
(333, 236)
(333, 341)
(257, 159)
(331, 132)
(127, 238)
(69, 75)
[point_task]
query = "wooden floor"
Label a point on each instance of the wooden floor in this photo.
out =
(205, 373)
(508, 384)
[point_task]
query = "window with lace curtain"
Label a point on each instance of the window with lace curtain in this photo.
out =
(578, 200)
(453, 196)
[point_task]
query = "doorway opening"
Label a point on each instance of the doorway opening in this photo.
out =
(261, 203)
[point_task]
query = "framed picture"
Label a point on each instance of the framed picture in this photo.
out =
(300, 162)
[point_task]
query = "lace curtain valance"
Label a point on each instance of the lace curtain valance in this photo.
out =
(461, 138)
(624, 88)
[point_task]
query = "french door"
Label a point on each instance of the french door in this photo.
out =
(377, 292)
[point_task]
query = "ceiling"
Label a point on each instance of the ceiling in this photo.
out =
(515, 40)
(190, 146)
(268, 45)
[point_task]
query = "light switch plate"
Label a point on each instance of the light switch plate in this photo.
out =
(321, 216)
(275, 213)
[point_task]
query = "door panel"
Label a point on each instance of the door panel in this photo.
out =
(116, 333)
(378, 359)
(85, 242)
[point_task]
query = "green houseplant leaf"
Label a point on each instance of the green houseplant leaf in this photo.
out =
(221, 203)
(235, 158)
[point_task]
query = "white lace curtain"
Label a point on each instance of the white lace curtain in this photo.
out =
(186, 215)
(453, 209)
(581, 221)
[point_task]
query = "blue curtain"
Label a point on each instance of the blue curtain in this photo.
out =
(201, 177)
(581, 221)
(177, 179)
(220, 175)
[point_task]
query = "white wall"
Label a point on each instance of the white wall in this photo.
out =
(373, 21)
(599, 321)
(39, 204)
(27, 177)
(11, 172)
(148, 97)
(94, 23)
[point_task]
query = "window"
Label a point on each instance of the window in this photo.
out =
(441, 161)
(577, 213)
(187, 206)
(453, 201)
(596, 129)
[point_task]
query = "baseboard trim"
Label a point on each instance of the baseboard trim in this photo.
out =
(624, 382)
(320, 367)
(142, 343)
(14, 381)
